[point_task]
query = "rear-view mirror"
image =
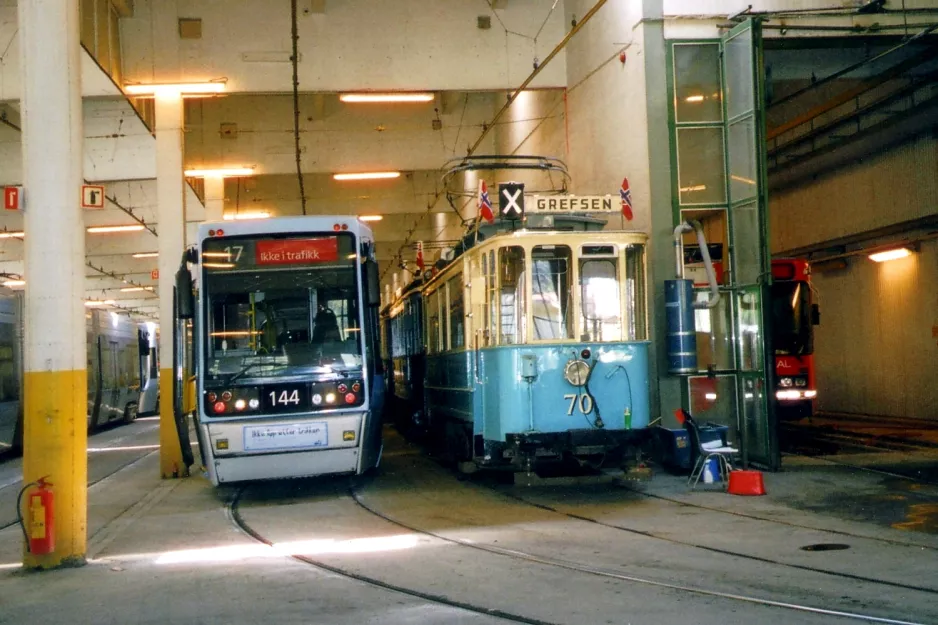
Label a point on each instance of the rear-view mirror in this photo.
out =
(372, 284)
(185, 306)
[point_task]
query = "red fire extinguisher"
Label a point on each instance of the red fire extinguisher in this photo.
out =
(39, 528)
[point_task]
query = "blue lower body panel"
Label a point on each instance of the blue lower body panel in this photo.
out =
(514, 401)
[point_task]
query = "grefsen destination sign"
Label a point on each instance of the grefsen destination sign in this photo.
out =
(570, 204)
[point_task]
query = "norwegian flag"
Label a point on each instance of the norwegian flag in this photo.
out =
(626, 196)
(420, 255)
(485, 206)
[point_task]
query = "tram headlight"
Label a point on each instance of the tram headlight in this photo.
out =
(801, 382)
(254, 404)
(330, 398)
(785, 382)
(575, 372)
(240, 404)
(317, 399)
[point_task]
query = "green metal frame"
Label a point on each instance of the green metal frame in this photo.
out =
(768, 456)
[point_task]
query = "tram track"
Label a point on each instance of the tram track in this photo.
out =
(233, 512)
(755, 517)
(725, 552)
(602, 573)
(7, 488)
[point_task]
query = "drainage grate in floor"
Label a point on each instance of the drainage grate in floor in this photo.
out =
(826, 547)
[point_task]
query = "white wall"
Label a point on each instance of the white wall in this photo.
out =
(876, 349)
(607, 109)
(887, 188)
(354, 44)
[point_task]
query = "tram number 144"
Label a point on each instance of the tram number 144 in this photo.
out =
(584, 402)
(285, 398)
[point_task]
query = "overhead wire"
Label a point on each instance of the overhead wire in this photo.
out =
(296, 102)
(486, 128)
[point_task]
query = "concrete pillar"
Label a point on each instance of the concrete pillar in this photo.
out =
(214, 198)
(667, 390)
(56, 386)
(171, 211)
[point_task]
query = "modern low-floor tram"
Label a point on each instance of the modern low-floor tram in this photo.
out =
(289, 379)
(536, 351)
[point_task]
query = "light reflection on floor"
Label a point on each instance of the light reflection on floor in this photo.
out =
(246, 551)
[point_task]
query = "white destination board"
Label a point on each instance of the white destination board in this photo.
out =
(291, 436)
(571, 204)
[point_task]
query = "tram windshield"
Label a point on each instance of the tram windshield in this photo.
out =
(792, 333)
(280, 308)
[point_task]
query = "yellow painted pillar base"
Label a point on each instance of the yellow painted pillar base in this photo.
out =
(171, 464)
(55, 445)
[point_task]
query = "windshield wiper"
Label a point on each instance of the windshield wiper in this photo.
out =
(244, 370)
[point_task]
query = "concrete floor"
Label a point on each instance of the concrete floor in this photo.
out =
(654, 552)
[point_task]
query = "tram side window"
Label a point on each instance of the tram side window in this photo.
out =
(551, 296)
(511, 274)
(491, 299)
(599, 298)
(635, 293)
(457, 337)
(433, 322)
(9, 384)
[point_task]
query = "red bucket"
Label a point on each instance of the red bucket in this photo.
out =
(745, 483)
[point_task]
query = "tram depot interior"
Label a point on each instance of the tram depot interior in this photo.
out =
(781, 129)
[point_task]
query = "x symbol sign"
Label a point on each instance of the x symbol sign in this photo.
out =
(512, 199)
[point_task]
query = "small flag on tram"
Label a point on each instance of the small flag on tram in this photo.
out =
(485, 205)
(420, 255)
(626, 196)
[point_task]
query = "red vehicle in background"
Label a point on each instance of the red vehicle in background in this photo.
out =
(794, 315)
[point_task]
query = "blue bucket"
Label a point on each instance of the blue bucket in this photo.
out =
(711, 471)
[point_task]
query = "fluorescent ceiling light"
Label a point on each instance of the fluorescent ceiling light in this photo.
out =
(219, 265)
(881, 257)
(14, 283)
(373, 175)
(146, 255)
(386, 97)
(105, 229)
(172, 88)
(9, 235)
(247, 215)
(132, 289)
(221, 172)
(98, 302)
(694, 98)
(371, 218)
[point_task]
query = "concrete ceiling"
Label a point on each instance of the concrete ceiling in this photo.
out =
(444, 48)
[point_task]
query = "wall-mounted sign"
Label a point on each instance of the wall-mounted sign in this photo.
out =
(92, 196)
(570, 204)
(12, 198)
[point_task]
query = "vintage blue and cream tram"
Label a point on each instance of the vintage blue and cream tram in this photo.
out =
(536, 348)
(289, 378)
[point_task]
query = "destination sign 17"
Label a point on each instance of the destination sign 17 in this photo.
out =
(570, 204)
(296, 251)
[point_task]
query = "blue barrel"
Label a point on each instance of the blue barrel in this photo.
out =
(682, 337)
